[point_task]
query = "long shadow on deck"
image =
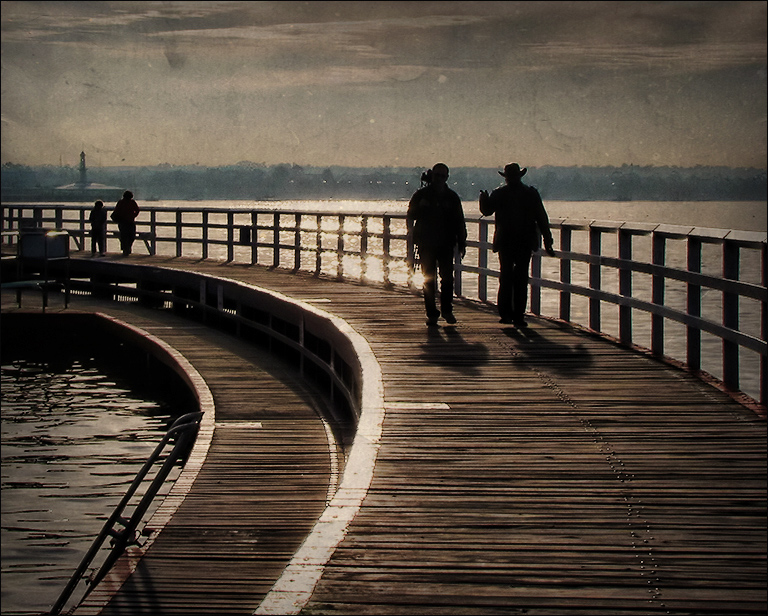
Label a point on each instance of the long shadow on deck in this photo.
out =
(533, 349)
(446, 347)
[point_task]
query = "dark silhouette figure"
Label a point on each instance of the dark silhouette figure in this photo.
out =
(98, 220)
(437, 218)
(125, 213)
(521, 222)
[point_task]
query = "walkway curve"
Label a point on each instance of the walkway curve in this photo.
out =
(163, 351)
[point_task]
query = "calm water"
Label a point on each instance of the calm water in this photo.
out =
(744, 215)
(74, 436)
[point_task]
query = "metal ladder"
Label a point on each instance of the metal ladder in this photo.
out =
(182, 432)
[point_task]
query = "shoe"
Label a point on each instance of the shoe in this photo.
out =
(431, 321)
(449, 318)
(506, 321)
(521, 323)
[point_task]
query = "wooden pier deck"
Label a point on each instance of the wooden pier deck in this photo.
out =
(543, 471)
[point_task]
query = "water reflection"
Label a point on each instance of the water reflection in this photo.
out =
(74, 435)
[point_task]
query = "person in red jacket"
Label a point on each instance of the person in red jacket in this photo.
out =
(521, 222)
(125, 213)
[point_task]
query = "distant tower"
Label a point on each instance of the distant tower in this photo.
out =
(82, 169)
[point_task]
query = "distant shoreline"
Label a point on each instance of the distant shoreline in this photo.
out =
(249, 181)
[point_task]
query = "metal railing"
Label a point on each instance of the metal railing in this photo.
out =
(680, 292)
(121, 530)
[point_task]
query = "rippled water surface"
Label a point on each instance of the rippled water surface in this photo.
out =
(74, 435)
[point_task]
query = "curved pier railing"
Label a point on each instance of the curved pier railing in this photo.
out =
(695, 295)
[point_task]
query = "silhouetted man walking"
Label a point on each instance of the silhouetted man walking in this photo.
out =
(521, 222)
(438, 228)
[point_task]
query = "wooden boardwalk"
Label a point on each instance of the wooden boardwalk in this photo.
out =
(545, 471)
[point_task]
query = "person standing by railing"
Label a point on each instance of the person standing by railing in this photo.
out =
(98, 220)
(521, 222)
(437, 219)
(125, 213)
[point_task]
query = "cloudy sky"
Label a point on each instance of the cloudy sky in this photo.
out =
(401, 84)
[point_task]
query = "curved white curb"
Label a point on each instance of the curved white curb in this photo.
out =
(128, 562)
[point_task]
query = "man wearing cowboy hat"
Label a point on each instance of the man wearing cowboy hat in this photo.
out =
(521, 222)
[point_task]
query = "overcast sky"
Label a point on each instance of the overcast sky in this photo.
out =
(400, 84)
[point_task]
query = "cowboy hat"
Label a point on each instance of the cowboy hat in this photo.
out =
(513, 171)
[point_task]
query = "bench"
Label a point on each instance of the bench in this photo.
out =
(81, 236)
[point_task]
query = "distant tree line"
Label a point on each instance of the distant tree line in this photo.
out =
(253, 181)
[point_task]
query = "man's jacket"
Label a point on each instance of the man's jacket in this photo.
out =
(438, 218)
(521, 219)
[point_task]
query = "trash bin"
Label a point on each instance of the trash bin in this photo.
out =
(36, 250)
(43, 244)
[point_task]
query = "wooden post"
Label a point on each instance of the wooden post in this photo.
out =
(482, 260)
(693, 334)
(386, 243)
(731, 316)
(363, 247)
(340, 248)
(276, 239)
(319, 244)
(230, 236)
(153, 231)
(763, 324)
(297, 242)
(659, 249)
(565, 273)
(595, 277)
(205, 234)
(625, 286)
(254, 238)
(179, 233)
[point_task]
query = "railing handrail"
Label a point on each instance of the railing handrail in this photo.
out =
(742, 238)
(280, 233)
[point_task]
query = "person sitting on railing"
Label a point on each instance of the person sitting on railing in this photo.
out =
(521, 222)
(125, 213)
(437, 217)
